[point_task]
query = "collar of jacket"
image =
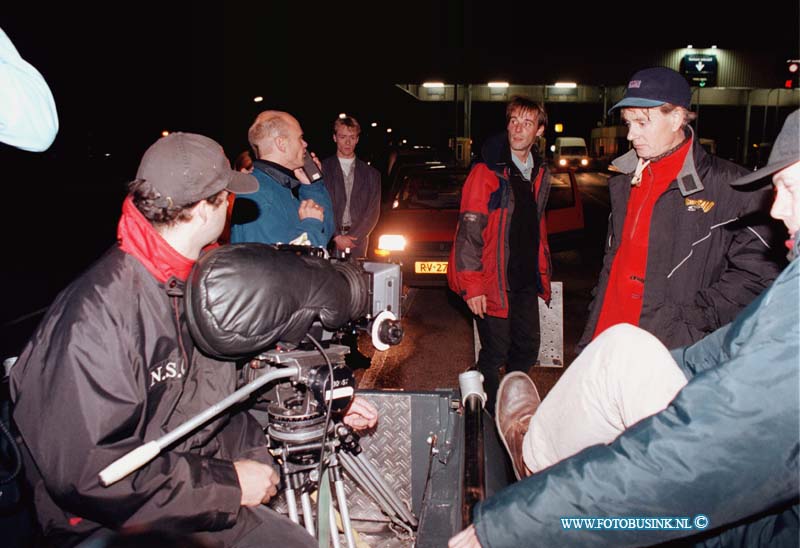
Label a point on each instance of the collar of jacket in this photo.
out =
(688, 180)
(138, 238)
(283, 176)
(504, 163)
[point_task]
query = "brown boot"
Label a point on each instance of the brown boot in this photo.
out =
(517, 401)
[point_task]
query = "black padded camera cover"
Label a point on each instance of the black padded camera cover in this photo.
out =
(243, 298)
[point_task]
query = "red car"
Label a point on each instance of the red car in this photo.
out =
(418, 223)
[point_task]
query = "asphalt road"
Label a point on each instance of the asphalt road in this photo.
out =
(438, 342)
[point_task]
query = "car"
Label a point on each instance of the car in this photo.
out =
(418, 224)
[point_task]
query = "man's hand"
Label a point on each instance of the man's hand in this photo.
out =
(310, 208)
(300, 174)
(259, 482)
(361, 415)
(344, 241)
(465, 539)
(477, 305)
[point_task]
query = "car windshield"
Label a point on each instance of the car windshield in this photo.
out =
(574, 151)
(431, 190)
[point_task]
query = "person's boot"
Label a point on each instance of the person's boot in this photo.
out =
(517, 401)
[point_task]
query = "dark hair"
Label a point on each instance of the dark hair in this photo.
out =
(243, 161)
(145, 197)
(519, 102)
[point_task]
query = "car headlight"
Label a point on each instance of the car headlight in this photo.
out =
(392, 242)
(584, 162)
(562, 162)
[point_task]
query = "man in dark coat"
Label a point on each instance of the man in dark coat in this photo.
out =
(355, 189)
(685, 252)
(112, 366)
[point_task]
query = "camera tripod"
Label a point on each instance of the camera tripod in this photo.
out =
(298, 443)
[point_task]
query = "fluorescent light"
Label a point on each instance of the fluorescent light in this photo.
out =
(566, 85)
(433, 84)
(498, 84)
(257, 99)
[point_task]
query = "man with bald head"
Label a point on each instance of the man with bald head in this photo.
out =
(287, 203)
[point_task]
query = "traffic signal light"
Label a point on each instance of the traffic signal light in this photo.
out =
(792, 73)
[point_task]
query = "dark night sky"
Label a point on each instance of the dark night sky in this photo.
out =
(122, 73)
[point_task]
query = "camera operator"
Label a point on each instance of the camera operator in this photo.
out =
(112, 365)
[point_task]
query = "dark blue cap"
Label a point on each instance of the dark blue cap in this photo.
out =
(652, 87)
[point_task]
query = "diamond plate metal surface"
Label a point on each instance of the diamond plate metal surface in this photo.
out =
(388, 448)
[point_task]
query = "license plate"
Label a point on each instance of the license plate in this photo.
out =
(430, 267)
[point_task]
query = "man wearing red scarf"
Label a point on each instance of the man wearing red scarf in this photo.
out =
(685, 252)
(113, 366)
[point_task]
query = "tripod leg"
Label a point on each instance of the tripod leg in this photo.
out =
(391, 495)
(291, 502)
(308, 515)
(342, 502)
(334, 527)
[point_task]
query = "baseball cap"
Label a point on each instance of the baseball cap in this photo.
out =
(652, 87)
(785, 151)
(186, 168)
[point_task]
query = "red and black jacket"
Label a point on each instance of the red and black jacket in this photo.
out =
(479, 258)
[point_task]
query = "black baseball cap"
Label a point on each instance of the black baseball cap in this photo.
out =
(652, 87)
(785, 151)
(186, 168)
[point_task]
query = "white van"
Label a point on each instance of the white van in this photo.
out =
(570, 152)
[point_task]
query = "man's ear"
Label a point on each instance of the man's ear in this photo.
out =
(280, 143)
(200, 210)
(676, 119)
(540, 131)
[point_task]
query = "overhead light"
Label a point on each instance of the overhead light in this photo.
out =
(257, 99)
(164, 133)
(374, 124)
(342, 115)
(388, 130)
(433, 84)
(714, 46)
(498, 84)
(405, 141)
(566, 85)
(689, 46)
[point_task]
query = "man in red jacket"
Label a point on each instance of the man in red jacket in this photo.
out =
(500, 262)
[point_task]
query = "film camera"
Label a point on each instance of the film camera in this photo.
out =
(280, 306)
(260, 303)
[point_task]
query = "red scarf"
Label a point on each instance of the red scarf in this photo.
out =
(622, 302)
(138, 238)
